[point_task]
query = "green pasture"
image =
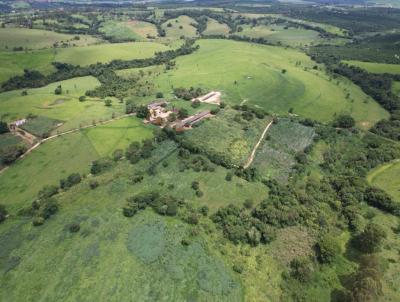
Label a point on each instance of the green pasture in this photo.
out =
(386, 177)
(65, 107)
(277, 33)
(252, 74)
(216, 28)
(37, 38)
(175, 32)
(107, 52)
(14, 63)
(375, 67)
(142, 29)
(59, 157)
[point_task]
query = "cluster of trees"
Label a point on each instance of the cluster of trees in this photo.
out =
(101, 165)
(136, 151)
(9, 154)
(162, 204)
(389, 128)
(188, 94)
(72, 180)
(195, 162)
(248, 112)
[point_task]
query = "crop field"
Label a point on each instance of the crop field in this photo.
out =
(254, 74)
(64, 155)
(376, 67)
(65, 107)
(118, 31)
(276, 156)
(225, 137)
(180, 26)
(386, 177)
(8, 139)
(37, 39)
(216, 28)
(40, 126)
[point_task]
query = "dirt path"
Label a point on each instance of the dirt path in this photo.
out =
(253, 153)
(64, 133)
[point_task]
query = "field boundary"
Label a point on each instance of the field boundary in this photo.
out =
(253, 152)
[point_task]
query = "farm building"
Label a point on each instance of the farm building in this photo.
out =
(17, 124)
(158, 112)
(191, 120)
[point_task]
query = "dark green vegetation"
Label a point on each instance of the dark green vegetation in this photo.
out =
(287, 191)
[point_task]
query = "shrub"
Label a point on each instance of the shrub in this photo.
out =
(229, 176)
(370, 240)
(301, 269)
(344, 121)
(93, 184)
(37, 221)
(238, 268)
(199, 193)
(159, 95)
(204, 210)
(58, 90)
(82, 98)
(100, 165)
(327, 248)
(71, 180)
(117, 154)
(248, 203)
(108, 102)
(74, 227)
(3, 213)
(214, 111)
(195, 185)
(195, 103)
(47, 191)
(3, 127)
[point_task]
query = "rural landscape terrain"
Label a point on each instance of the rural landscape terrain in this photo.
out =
(200, 150)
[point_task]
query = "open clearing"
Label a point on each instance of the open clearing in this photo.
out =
(376, 67)
(180, 26)
(216, 28)
(37, 38)
(251, 72)
(387, 178)
(65, 107)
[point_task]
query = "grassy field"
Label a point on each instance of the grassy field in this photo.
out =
(386, 177)
(36, 38)
(14, 63)
(277, 33)
(180, 26)
(376, 67)
(216, 28)
(142, 29)
(65, 107)
(64, 155)
(276, 156)
(250, 73)
(107, 52)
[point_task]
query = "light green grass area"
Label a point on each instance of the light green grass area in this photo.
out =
(276, 156)
(396, 87)
(14, 63)
(252, 74)
(65, 107)
(277, 33)
(375, 67)
(216, 28)
(387, 178)
(107, 52)
(175, 32)
(64, 155)
(36, 38)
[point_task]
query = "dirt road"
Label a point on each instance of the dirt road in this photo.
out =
(253, 153)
